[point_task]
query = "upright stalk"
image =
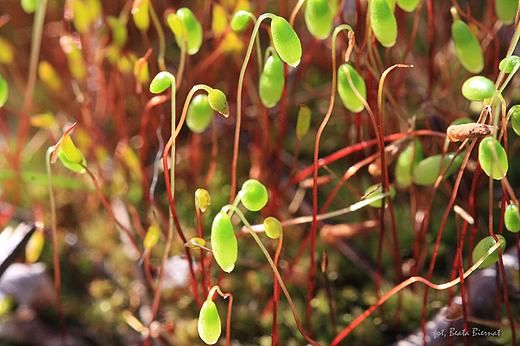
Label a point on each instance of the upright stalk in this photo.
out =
(55, 257)
(239, 104)
(315, 177)
(36, 40)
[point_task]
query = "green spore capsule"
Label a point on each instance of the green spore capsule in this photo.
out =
(508, 64)
(202, 199)
(483, 246)
(478, 88)
(467, 47)
(152, 236)
(253, 195)
(407, 161)
(408, 5)
(512, 218)
(487, 161)
(224, 242)
(209, 326)
(286, 42)
(29, 6)
(161, 82)
(349, 98)
(240, 21)
(506, 10)
(383, 22)
(318, 18)
(4, 91)
(218, 101)
(75, 167)
(141, 14)
(273, 227)
(514, 114)
(425, 173)
(375, 193)
(199, 114)
(303, 122)
(272, 81)
(192, 30)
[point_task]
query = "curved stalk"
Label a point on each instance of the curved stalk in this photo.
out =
(239, 104)
(273, 267)
(408, 282)
(162, 40)
(316, 153)
(55, 257)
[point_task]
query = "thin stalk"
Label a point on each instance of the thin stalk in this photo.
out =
(162, 40)
(182, 62)
(315, 177)
(36, 39)
(275, 270)
(239, 104)
(408, 282)
(276, 290)
(55, 257)
(228, 318)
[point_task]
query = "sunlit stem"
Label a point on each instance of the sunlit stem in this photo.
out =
(319, 217)
(186, 105)
(408, 282)
(323, 124)
(228, 319)
(257, 43)
(54, 229)
(508, 79)
(36, 39)
(512, 46)
(273, 267)
(182, 62)
(295, 10)
(239, 102)
(162, 41)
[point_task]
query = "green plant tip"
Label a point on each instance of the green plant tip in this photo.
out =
(303, 122)
(478, 88)
(512, 218)
(349, 98)
(408, 5)
(272, 81)
(4, 91)
(273, 227)
(467, 47)
(253, 195)
(506, 10)
(75, 167)
(483, 246)
(202, 199)
(218, 101)
(383, 22)
(514, 113)
(487, 160)
(186, 26)
(286, 42)
(425, 173)
(375, 193)
(209, 326)
(29, 6)
(508, 64)
(406, 163)
(319, 18)
(152, 235)
(224, 242)
(199, 114)
(161, 82)
(240, 20)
